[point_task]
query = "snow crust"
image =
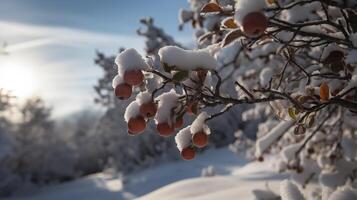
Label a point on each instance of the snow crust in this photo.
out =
(177, 180)
(111, 186)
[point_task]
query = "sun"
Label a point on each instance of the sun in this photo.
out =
(18, 78)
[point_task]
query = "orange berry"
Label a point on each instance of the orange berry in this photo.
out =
(200, 139)
(165, 129)
(123, 91)
(324, 92)
(136, 125)
(254, 24)
(133, 77)
(188, 153)
(179, 122)
(148, 109)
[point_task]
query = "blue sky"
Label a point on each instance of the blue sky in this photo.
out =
(114, 16)
(55, 42)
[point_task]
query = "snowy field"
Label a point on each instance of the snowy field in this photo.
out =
(176, 180)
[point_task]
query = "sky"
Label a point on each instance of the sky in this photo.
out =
(52, 44)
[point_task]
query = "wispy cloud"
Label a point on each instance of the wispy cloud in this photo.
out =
(27, 45)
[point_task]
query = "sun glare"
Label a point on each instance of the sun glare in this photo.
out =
(18, 78)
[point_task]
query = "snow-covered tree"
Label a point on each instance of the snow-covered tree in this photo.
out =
(41, 155)
(9, 180)
(30, 150)
(294, 62)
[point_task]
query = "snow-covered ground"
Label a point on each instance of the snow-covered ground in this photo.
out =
(176, 180)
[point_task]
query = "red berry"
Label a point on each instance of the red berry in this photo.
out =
(133, 77)
(136, 125)
(200, 139)
(254, 24)
(148, 109)
(123, 91)
(165, 129)
(188, 153)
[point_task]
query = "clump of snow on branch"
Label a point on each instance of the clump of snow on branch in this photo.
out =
(167, 102)
(187, 59)
(200, 124)
(288, 153)
(264, 142)
(265, 76)
(133, 110)
(301, 13)
(183, 138)
(130, 59)
(117, 80)
(143, 97)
